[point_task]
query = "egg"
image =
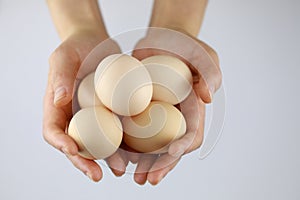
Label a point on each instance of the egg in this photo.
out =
(86, 94)
(154, 129)
(97, 132)
(172, 79)
(123, 84)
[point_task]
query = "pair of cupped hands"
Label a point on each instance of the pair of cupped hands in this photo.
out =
(65, 70)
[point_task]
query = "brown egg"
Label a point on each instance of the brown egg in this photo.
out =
(172, 79)
(86, 94)
(123, 84)
(97, 132)
(154, 129)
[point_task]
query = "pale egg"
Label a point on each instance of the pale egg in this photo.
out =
(123, 84)
(172, 79)
(86, 93)
(154, 129)
(97, 132)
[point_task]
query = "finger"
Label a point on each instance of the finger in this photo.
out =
(64, 64)
(162, 166)
(89, 167)
(204, 60)
(117, 163)
(193, 110)
(124, 155)
(193, 115)
(54, 125)
(178, 147)
(144, 164)
(59, 140)
(132, 155)
(186, 144)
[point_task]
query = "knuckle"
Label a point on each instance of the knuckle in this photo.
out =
(217, 74)
(197, 142)
(218, 78)
(49, 139)
(46, 136)
(53, 59)
(211, 52)
(64, 62)
(54, 55)
(64, 51)
(214, 55)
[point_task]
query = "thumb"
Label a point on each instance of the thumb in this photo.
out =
(64, 64)
(206, 65)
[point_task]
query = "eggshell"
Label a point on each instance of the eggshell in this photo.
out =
(97, 132)
(172, 79)
(154, 129)
(123, 84)
(86, 94)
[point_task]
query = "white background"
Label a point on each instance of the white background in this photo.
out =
(258, 154)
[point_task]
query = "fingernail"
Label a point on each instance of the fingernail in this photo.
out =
(60, 93)
(89, 176)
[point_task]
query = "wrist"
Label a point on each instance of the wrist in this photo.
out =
(72, 16)
(92, 31)
(178, 28)
(179, 15)
(90, 26)
(186, 28)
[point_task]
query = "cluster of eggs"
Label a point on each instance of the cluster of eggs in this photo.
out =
(132, 101)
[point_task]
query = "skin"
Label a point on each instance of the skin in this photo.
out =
(153, 167)
(79, 35)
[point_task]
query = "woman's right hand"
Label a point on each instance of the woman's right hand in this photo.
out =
(65, 63)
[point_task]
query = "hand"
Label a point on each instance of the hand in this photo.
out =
(64, 72)
(203, 62)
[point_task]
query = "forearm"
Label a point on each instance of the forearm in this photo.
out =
(185, 15)
(70, 16)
